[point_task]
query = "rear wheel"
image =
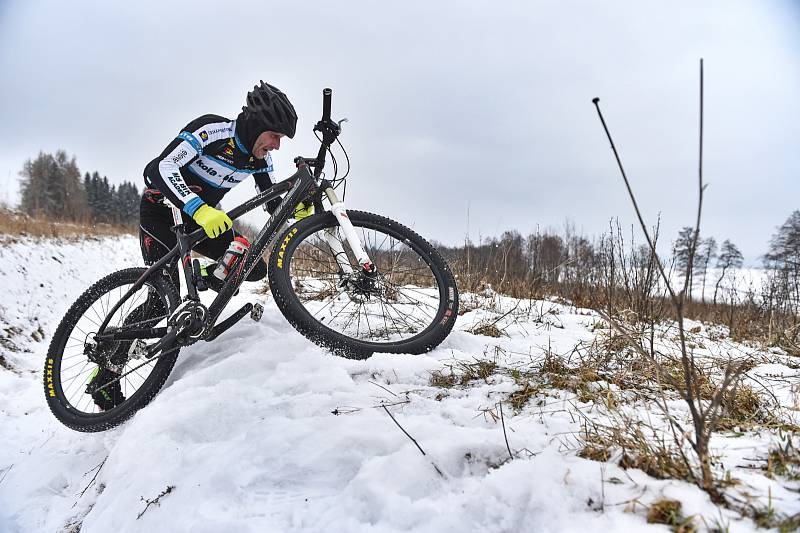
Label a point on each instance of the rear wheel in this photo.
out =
(93, 386)
(408, 306)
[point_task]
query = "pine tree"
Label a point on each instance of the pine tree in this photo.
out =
(783, 261)
(784, 246)
(126, 202)
(729, 258)
(706, 251)
(682, 253)
(87, 187)
(51, 187)
(33, 187)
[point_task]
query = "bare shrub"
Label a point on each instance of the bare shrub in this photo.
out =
(705, 414)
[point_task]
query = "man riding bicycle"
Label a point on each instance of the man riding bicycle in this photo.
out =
(209, 157)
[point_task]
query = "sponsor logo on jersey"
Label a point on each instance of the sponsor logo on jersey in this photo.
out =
(204, 136)
(228, 151)
(177, 182)
(181, 155)
(210, 171)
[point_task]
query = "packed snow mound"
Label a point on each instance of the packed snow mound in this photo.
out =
(261, 430)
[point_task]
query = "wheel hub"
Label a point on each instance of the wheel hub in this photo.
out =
(364, 284)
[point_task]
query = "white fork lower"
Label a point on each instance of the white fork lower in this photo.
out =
(339, 211)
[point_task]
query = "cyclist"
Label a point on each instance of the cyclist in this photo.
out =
(209, 157)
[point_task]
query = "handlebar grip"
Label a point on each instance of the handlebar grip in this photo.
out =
(326, 103)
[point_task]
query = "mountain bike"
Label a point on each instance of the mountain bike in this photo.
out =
(353, 282)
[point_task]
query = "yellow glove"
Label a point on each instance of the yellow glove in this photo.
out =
(213, 221)
(302, 211)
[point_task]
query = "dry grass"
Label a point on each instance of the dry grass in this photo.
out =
(744, 409)
(487, 330)
(520, 397)
(783, 460)
(15, 224)
(666, 511)
(676, 376)
(610, 373)
(595, 453)
(634, 444)
(463, 373)
(768, 517)
(443, 379)
(553, 364)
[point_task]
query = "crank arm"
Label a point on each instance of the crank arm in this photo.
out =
(167, 341)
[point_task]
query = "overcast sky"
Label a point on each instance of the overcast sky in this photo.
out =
(455, 107)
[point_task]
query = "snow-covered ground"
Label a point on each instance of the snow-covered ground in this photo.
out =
(263, 431)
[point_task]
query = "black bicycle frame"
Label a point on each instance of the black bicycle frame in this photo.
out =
(299, 186)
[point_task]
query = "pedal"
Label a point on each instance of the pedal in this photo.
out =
(257, 312)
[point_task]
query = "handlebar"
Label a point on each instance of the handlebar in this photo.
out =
(326, 104)
(329, 129)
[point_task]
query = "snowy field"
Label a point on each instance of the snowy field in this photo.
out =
(733, 285)
(263, 431)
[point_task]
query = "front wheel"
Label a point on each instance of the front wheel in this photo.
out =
(408, 306)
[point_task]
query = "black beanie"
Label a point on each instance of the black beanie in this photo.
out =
(248, 128)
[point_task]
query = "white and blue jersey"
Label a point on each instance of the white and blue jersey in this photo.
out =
(203, 163)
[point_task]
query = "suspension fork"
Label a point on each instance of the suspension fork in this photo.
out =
(338, 210)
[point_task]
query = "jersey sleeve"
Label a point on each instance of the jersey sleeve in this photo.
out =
(264, 180)
(182, 151)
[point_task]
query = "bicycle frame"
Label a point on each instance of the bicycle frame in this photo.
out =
(298, 187)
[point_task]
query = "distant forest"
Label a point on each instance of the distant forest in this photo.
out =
(52, 188)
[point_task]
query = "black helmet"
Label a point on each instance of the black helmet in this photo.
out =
(270, 107)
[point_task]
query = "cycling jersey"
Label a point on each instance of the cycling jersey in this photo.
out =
(205, 161)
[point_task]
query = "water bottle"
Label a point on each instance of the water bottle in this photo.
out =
(236, 250)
